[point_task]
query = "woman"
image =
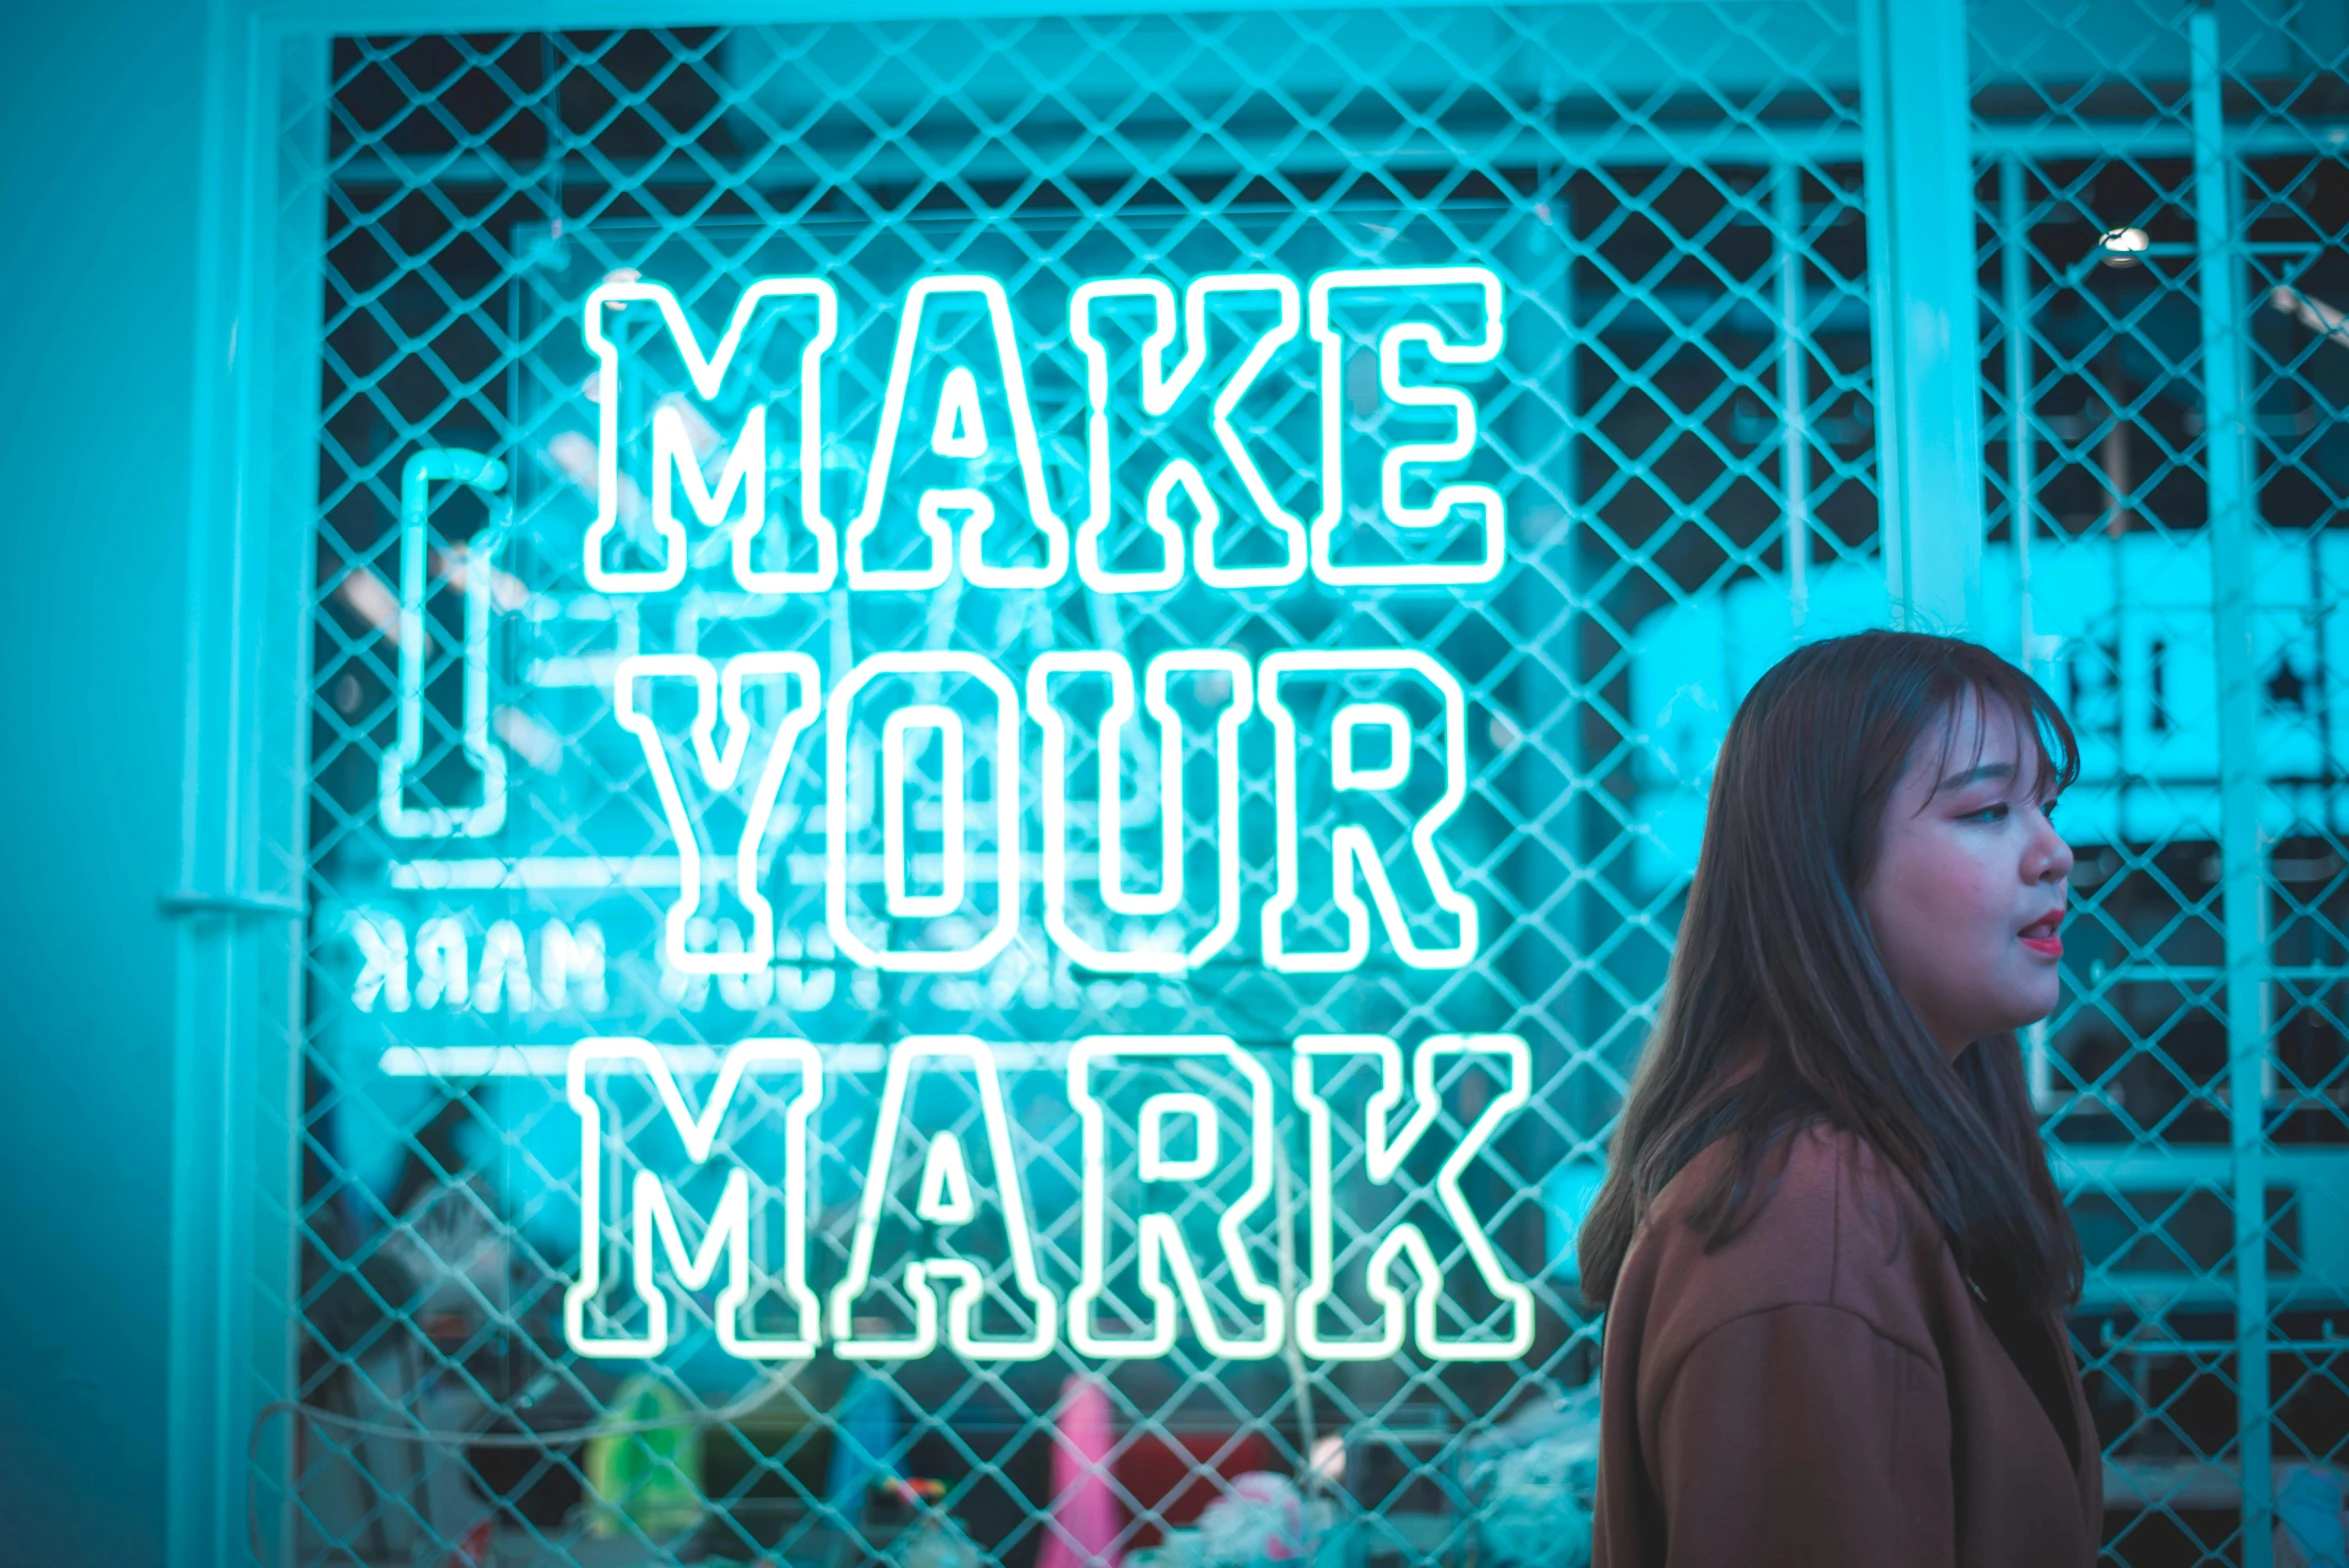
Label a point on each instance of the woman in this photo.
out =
(1833, 1258)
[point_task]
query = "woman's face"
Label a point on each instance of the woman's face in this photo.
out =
(1970, 880)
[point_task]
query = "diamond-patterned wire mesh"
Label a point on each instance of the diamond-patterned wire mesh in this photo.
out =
(2097, 309)
(1669, 197)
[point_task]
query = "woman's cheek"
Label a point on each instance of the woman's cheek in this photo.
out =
(1971, 884)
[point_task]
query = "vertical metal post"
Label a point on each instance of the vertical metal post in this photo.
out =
(1927, 332)
(2243, 894)
(286, 360)
(235, 1111)
(1794, 398)
(209, 1258)
(2014, 287)
(2014, 277)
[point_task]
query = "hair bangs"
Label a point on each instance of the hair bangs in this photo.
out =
(1997, 689)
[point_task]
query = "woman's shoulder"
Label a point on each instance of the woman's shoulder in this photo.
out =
(1839, 1228)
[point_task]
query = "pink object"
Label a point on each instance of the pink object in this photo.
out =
(1083, 1532)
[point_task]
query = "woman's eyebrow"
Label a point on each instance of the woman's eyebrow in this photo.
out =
(1987, 770)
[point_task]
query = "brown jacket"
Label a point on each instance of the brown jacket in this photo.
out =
(1826, 1391)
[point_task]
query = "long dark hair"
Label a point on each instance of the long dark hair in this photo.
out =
(1776, 966)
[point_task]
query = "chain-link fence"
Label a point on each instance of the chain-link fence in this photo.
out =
(2167, 376)
(1007, 717)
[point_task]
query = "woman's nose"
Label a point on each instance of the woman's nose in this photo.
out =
(2051, 857)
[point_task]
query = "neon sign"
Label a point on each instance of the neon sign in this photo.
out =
(943, 1230)
(399, 819)
(957, 459)
(952, 789)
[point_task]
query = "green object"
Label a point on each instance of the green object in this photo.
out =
(649, 1477)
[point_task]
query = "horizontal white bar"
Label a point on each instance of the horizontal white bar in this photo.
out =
(528, 871)
(549, 1061)
(486, 874)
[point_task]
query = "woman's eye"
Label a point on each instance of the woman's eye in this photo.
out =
(1995, 813)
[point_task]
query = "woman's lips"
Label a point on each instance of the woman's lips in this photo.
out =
(2041, 938)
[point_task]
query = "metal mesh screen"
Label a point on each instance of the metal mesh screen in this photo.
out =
(2162, 217)
(1665, 199)
(1110, 1163)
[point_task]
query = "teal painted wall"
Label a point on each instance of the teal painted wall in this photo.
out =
(98, 161)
